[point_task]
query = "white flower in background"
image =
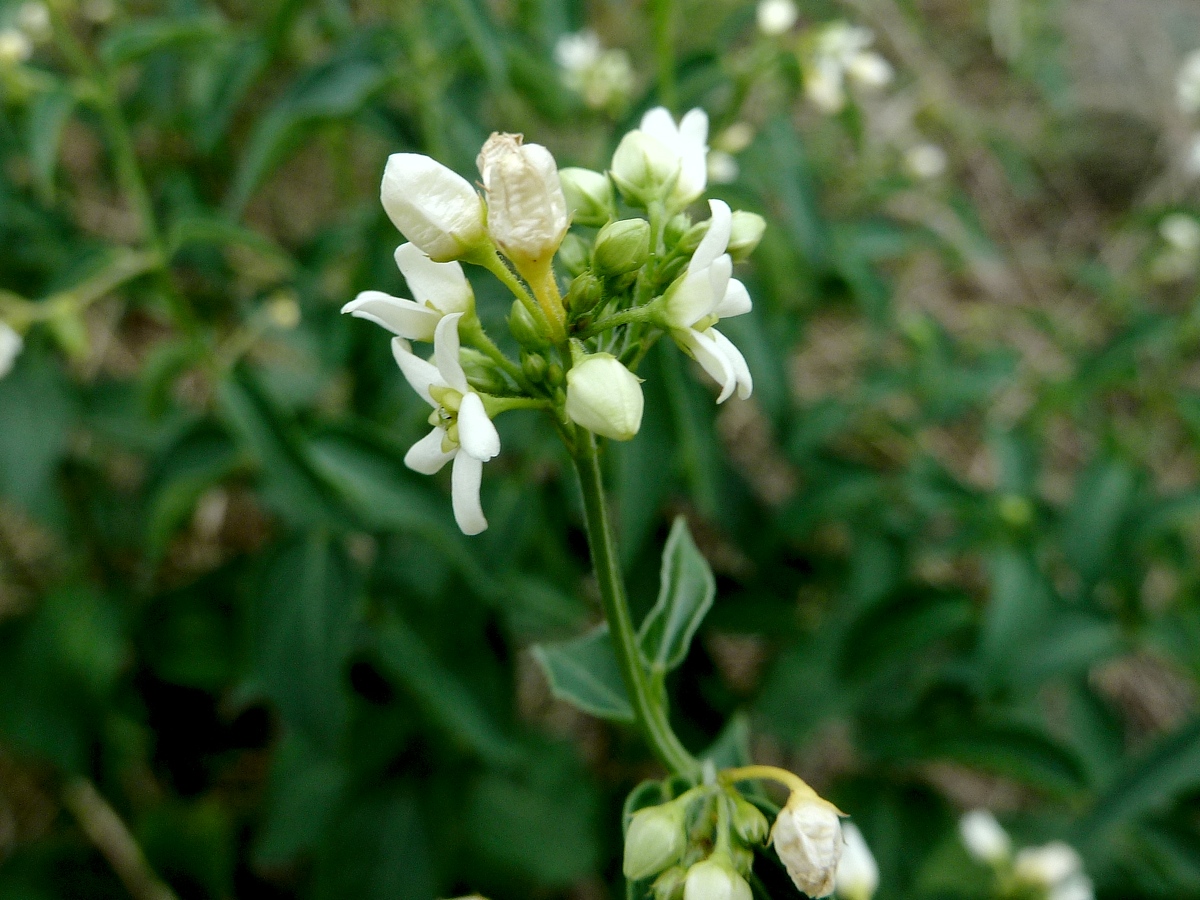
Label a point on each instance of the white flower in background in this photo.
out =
(1181, 231)
(722, 162)
(984, 837)
(605, 397)
(1187, 85)
(703, 295)
(1191, 157)
(604, 78)
(1057, 868)
(857, 873)
(15, 47)
(841, 51)
(723, 167)
(33, 18)
(462, 431)
(654, 840)
(715, 879)
(438, 289)
(11, 345)
(432, 206)
(526, 210)
(775, 17)
(658, 150)
(925, 161)
(808, 838)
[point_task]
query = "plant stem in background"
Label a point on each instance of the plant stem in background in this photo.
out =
(649, 705)
(662, 14)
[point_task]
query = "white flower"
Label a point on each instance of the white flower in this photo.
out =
(841, 50)
(722, 167)
(857, 873)
(984, 837)
(715, 879)
(439, 289)
(15, 47)
(643, 168)
(1078, 887)
(688, 143)
(1191, 157)
(604, 78)
(11, 345)
(527, 212)
(1181, 231)
(605, 397)
(33, 17)
(462, 431)
(925, 161)
(576, 52)
(703, 295)
(432, 206)
(1187, 86)
(776, 16)
(1049, 866)
(808, 838)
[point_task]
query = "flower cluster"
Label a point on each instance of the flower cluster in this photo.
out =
(593, 290)
(29, 27)
(603, 78)
(840, 53)
(1052, 871)
(700, 845)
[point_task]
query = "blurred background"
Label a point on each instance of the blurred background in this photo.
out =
(955, 529)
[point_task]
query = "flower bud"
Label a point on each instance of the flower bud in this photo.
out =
(606, 398)
(746, 230)
(655, 838)
(433, 207)
(554, 374)
(669, 885)
(775, 17)
(589, 196)
(1049, 865)
(527, 212)
(983, 837)
(533, 365)
(15, 47)
(857, 873)
(584, 293)
(622, 247)
(644, 168)
(676, 227)
(11, 345)
(574, 254)
(808, 838)
(749, 823)
(523, 327)
(715, 879)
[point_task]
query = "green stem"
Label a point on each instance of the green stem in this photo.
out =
(648, 705)
(489, 259)
(471, 329)
(662, 13)
(625, 317)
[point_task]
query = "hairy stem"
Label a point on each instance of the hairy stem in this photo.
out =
(649, 705)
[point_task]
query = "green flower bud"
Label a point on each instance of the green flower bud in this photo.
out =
(584, 293)
(533, 365)
(749, 823)
(481, 371)
(655, 838)
(622, 246)
(574, 254)
(669, 885)
(746, 231)
(690, 239)
(524, 328)
(589, 196)
(675, 228)
(554, 374)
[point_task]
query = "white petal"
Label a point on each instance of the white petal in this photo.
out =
(419, 373)
(719, 274)
(704, 350)
(426, 456)
(659, 125)
(442, 285)
(445, 353)
(476, 433)
(689, 299)
(465, 479)
(736, 301)
(737, 364)
(405, 318)
(432, 206)
(693, 152)
(716, 239)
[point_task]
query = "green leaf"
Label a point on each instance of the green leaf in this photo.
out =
(584, 672)
(685, 596)
(1093, 525)
(141, 37)
(48, 116)
(1152, 782)
(305, 788)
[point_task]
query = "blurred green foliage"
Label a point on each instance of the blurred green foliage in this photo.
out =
(954, 532)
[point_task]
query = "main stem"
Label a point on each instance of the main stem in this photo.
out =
(649, 707)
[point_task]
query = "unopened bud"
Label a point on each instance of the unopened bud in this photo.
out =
(984, 837)
(606, 398)
(749, 823)
(715, 879)
(808, 838)
(15, 47)
(574, 254)
(857, 873)
(481, 371)
(584, 293)
(1048, 865)
(745, 232)
(523, 327)
(533, 365)
(690, 239)
(676, 226)
(11, 345)
(655, 838)
(644, 168)
(527, 212)
(669, 885)
(622, 247)
(589, 196)
(554, 374)
(432, 206)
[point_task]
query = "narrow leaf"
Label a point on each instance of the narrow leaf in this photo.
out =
(584, 672)
(685, 596)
